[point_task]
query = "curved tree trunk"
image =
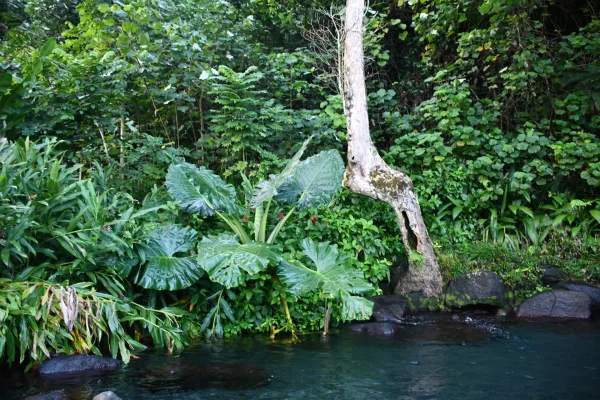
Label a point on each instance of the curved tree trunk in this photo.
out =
(367, 173)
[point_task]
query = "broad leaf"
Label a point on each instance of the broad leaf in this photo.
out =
(123, 264)
(595, 214)
(268, 189)
(227, 261)
(170, 265)
(355, 307)
(314, 181)
(200, 190)
(333, 277)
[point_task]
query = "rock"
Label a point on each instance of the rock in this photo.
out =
(385, 287)
(193, 376)
(389, 308)
(593, 291)
(556, 304)
(53, 395)
(376, 328)
(77, 364)
(418, 302)
(552, 274)
(106, 396)
(483, 287)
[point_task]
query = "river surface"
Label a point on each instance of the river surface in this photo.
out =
(433, 357)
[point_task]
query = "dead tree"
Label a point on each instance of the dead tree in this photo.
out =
(367, 174)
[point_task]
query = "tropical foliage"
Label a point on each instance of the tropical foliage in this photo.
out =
(334, 278)
(230, 260)
(173, 168)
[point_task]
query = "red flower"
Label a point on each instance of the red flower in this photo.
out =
(281, 216)
(245, 218)
(313, 219)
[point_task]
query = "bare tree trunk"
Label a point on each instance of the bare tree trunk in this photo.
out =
(367, 173)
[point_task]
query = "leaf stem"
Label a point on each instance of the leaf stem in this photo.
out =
(279, 225)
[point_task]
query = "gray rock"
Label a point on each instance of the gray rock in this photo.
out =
(77, 364)
(483, 287)
(552, 274)
(106, 396)
(556, 304)
(376, 328)
(53, 395)
(593, 291)
(389, 308)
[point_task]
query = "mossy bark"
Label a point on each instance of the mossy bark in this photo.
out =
(367, 173)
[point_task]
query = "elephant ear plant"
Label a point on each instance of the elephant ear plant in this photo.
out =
(333, 278)
(230, 259)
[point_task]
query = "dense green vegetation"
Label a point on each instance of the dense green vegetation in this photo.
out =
(174, 167)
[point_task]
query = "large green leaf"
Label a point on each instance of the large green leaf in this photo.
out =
(269, 188)
(595, 214)
(356, 308)
(170, 265)
(200, 190)
(314, 181)
(227, 261)
(333, 277)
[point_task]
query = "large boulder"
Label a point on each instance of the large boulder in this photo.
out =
(376, 328)
(551, 274)
(483, 287)
(389, 308)
(77, 364)
(593, 291)
(556, 304)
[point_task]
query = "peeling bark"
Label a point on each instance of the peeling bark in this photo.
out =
(369, 175)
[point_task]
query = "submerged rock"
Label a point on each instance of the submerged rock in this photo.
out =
(438, 329)
(53, 395)
(77, 364)
(389, 308)
(476, 288)
(188, 375)
(557, 304)
(456, 328)
(106, 396)
(376, 328)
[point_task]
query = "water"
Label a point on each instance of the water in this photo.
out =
(433, 357)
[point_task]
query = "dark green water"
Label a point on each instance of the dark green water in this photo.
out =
(432, 358)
